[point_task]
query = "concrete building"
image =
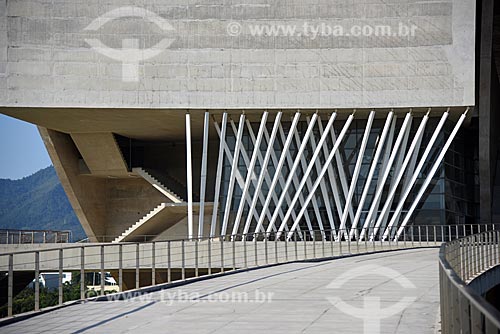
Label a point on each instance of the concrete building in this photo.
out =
(366, 115)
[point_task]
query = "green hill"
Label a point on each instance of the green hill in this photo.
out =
(37, 202)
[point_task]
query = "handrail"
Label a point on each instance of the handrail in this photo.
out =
(180, 258)
(460, 261)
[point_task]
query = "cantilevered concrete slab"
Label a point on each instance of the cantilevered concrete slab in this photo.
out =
(292, 298)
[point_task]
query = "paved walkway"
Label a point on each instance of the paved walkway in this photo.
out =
(291, 298)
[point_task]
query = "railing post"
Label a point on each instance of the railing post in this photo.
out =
(323, 245)
(442, 233)
(102, 271)
(196, 269)
(305, 245)
(456, 231)
(498, 246)
(60, 284)
(234, 253)
(434, 239)
(340, 246)
(348, 244)
(295, 242)
(366, 240)
(419, 236)
(449, 232)
(286, 248)
(245, 250)
(169, 261)
(265, 247)
(222, 254)
(37, 281)
(276, 260)
(153, 263)
(10, 285)
(183, 260)
(427, 234)
(404, 237)
(137, 267)
(314, 245)
(120, 267)
(256, 249)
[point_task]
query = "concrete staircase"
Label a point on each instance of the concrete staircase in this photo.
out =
(141, 222)
(175, 198)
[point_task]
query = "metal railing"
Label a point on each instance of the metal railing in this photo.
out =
(12, 237)
(137, 264)
(463, 310)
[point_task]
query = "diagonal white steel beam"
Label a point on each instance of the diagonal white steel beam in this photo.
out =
(218, 176)
(399, 176)
(321, 175)
(272, 188)
(308, 184)
(333, 181)
(295, 182)
(397, 168)
(355, 174)
(290, 176)
(267, 178)
(203, 173)
(263, 172)
(373, 167)
(312, 162)
(342, 176)
(322, 185)
(433, 171)
(251, 167)
(385, 162)
(239, 178)
(387, 170)
(232, 177)
(407, 189)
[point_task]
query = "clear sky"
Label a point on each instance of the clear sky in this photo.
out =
(22, 152)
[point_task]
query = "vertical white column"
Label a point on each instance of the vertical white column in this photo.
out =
(433, 171)
(234, 168)
(218, 177)
(373, 167)
(355, 174)
(203, 174)
(189, 170)
(248, 180)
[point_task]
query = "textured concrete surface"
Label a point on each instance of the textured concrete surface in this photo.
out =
(46, 58)
(293, 298)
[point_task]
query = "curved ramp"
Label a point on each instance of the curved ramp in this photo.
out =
(309, 297)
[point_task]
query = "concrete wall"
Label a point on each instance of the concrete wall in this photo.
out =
(201, 60)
